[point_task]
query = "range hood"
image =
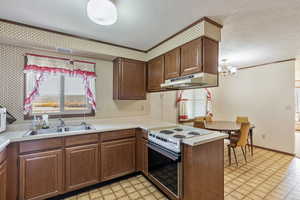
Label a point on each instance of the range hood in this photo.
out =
(199, 80)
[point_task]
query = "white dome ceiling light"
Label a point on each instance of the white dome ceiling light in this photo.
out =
(102, 12)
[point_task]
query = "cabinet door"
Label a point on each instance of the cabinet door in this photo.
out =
(129, 79)
(172, 64)
(41, 175)
(210, 56)
(191, 57)
(3, 178)
(81, 166)
(117, 158)
(155, 73)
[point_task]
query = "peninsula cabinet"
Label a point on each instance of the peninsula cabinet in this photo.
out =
(172, 64)
(3, 174)
(117, 158)
(81, 166)
(156, 69)
(3, 179)
(129, 79)
(41, 175)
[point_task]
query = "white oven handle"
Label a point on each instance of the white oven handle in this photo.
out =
(165, 152)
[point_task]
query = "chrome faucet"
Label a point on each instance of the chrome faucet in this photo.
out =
(62, 123)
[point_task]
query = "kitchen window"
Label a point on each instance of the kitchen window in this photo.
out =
(194, 103)
(58, 88)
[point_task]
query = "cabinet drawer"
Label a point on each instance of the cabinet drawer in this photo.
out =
(40, 145)
(115, 135)
(2, 155)
(81, 139)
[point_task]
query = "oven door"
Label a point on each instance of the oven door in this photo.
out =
(165, 166)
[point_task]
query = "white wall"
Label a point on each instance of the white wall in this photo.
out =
(163, 106)
(297, 70)
(266, 95)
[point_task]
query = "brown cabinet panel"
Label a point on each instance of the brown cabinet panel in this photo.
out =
(117, 158)
(3, 179)
(155, 73)
(82, 166)
(145, 156)
(39, 145)
(141, 152)
(191, 57)
(210, 55)
(81, 139)
(41, 175)
(172, 64)
(116, 135)
(129, 79)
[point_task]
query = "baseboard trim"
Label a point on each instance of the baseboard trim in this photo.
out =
(277, 151)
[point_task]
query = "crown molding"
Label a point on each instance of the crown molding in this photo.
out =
(113, 44)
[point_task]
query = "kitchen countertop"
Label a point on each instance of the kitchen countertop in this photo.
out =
(16, 134)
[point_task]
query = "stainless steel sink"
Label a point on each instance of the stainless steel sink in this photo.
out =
(60, 129)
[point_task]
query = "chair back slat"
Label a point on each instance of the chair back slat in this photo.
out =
(240, 119)
(244, 133)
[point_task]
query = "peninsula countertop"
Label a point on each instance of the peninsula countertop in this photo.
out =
(16, 133)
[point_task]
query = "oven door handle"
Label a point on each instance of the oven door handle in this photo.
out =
(163, 152)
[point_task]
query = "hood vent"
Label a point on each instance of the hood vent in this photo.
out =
(199, 80)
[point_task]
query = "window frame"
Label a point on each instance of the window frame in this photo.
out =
(30, 116)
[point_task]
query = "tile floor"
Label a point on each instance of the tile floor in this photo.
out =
(267, 176)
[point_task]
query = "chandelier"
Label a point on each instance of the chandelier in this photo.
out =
(225, 69)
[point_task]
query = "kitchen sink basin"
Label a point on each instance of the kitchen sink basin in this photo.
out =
(59, 129)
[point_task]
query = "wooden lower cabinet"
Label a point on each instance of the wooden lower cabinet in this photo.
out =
(144, 156)
(41, 175)
(3, 178)
(117, 158)
(82, 166)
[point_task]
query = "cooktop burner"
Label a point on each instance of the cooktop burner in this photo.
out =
(179, 136)
(178, 129)
(166, 132)
(193, 133)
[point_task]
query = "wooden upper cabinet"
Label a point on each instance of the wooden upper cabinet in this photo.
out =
(210, 56)
(156, 68)
(117, 158)
(41, 175)
(191, 57)
(129, 79)
(82, 166)
(3, 179)
(172, 64)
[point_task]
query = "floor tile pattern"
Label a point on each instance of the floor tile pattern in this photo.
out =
(135, 188)
(266, 176)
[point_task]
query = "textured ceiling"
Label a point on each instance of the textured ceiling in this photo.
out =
(254, 32)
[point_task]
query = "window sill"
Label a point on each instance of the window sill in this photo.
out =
(91, 114)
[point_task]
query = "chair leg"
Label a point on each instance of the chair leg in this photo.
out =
(235, 157)
(244, 153)
(229, 154)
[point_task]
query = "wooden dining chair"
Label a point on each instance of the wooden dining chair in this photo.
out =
(199, 122)
(239, 140)
(208, 118)
(240, 119)
(243, 119)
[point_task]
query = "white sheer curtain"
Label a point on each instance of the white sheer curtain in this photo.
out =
(41, 67)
